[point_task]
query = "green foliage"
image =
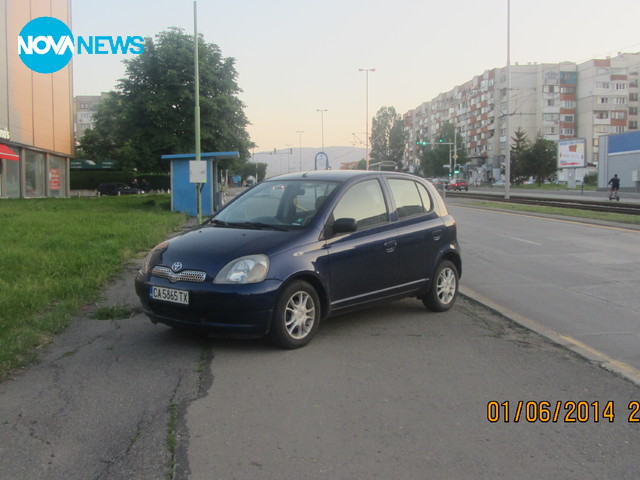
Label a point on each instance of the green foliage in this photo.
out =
(151, 113)
(114, 312)
(387, 137)
(519, 161)
(537, 159)
(591, 178)
(561, 211)
(58, 253)
(90, 179)
(436, 154)
(253, 169)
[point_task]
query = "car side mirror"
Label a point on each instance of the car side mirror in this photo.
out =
(344, 225)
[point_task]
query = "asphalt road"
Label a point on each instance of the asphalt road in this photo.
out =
(400, 393)
(576, 281)
(391, 392)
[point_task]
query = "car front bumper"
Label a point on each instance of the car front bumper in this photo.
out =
(219, 310)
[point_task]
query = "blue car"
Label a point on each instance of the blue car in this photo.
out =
(297, 248)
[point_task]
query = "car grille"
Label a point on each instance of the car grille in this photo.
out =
(193, 276)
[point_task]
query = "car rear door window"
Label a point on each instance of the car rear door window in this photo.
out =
(411, 197)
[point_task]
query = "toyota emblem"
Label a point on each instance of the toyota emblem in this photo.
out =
(176, 267)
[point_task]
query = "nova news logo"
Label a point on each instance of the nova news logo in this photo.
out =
(46, 45)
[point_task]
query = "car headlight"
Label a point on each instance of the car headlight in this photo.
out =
(249, 269)
(152, 257)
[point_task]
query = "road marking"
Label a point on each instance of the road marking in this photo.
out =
(585, 222)
(526, 241)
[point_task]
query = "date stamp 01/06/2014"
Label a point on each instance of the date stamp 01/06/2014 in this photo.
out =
(561, 411)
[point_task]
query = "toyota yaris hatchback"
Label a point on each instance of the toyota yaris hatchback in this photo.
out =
(297, 248)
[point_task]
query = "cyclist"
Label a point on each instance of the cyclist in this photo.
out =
(615, 185)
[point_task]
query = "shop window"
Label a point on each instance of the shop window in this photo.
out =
(57, 176)
(11, 172)
(34, 174)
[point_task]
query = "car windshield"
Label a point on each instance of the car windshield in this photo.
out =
(287, 204)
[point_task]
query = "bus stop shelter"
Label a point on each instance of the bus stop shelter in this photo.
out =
(184, 193)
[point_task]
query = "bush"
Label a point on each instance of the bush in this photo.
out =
(90, 179)
(591, 178)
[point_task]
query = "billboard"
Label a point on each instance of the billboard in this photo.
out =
(572, 153)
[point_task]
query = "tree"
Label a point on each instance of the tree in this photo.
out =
(439, 152)
(519, 157)
(151, 112)
(387, 137)
(542, 159)
(258, 170)
(537, 159)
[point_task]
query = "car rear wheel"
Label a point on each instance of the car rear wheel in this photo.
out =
(444, 288)
(296, 316)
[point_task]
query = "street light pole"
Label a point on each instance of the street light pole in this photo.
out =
(507, 156)
(322, 123)
(367, 70)
(197, 110)
(300, 132)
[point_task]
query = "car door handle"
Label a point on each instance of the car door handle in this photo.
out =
(390, 246)
(436, 234)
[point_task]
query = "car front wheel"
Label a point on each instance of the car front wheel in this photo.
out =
(444, 288)
(296, 316)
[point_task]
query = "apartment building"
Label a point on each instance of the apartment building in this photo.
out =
(84, 108)
(560, 101)
(607, 98)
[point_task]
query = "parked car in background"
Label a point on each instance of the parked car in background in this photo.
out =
(297, 248)
(458, 185)
(439, 183)
(117, 189)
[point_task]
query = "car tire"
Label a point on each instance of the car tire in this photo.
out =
(296, 316)
(444, 288)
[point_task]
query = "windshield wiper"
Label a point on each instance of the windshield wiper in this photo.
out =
(254, 225)
(265, 225)
(218, 222)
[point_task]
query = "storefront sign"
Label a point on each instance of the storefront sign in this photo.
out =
(54, 179)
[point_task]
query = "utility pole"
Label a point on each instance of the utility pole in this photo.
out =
(507, 156)
(197, 108)
(367, 70)
(300, 132)
(322, 123)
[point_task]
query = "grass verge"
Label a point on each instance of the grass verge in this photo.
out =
(559, 211)
(58, 253)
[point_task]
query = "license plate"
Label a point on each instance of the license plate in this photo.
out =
(169, 295)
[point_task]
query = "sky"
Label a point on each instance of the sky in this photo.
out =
(295, 57)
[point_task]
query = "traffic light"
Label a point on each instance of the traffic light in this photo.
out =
(422, 142)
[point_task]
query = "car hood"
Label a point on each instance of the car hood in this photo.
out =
(210, 248)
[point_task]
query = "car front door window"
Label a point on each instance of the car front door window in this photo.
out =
(365, 203)
(362, 263)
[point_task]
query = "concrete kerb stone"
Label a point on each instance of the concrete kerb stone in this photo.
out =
(619, 368)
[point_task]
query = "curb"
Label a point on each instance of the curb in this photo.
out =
(592, 355)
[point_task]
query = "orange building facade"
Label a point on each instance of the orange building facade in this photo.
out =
(36, 110)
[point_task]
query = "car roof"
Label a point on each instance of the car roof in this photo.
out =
(338, 175)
